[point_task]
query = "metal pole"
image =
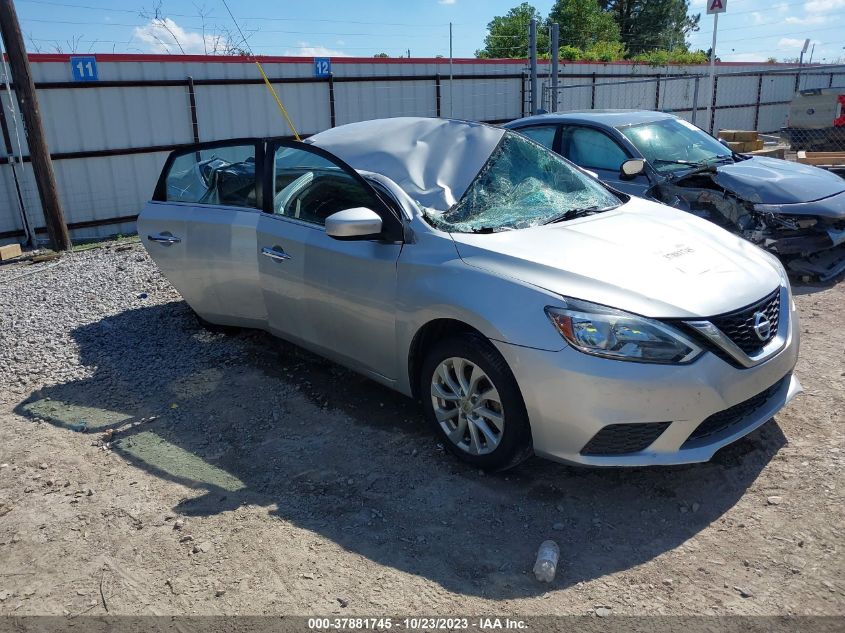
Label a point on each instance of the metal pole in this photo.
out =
(29, 231)
(555, 52)
(800, 67)
(695, 100)
(712, 99)
(451, 88)
(671, 46)
(532, 61)
(522, 94)
(42, 165)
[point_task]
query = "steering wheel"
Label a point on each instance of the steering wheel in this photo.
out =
(281, 199)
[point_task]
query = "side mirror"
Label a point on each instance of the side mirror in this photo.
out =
(631, 168)
(359, 223)
(725, 143)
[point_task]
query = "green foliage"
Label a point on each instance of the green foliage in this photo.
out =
(381, 55)
(648, 31)
(661, 57)
(507, 35)
(583, 23)
(604, 52)
(646, 25)
(570, 53)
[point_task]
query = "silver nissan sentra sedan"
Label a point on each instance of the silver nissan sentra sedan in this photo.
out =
(530, 308)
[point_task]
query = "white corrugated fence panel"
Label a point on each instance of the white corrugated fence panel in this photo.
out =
(100, 118)
(250, 110)
(734, 119)
(772, 117)
(482, 99)
(383, 99)
(638, 96)
(115, 118)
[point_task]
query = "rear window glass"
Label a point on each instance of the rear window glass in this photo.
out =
(222, 176)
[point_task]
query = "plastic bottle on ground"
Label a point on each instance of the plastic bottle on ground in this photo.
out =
(547, 558)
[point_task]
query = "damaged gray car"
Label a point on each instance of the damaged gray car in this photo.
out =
(795, 211)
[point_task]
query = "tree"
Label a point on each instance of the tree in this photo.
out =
(381, 55)
(583, 23)
(599, 30)
(648, 24)
(507, 35)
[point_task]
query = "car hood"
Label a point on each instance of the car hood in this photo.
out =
(773, 181)
(643, 257)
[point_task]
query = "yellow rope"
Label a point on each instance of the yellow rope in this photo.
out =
(278, 101)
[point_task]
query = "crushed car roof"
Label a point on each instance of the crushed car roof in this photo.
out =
(433, 160)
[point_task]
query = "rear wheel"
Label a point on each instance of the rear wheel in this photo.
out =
(472, 400)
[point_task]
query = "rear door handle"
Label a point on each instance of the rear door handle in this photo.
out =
(276, 253)
(164, 238)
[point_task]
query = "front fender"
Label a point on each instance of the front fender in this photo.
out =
(434, 283)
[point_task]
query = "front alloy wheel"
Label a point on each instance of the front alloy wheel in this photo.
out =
(473, 402)
(467, 406)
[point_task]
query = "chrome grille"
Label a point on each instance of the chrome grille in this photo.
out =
(739, 325)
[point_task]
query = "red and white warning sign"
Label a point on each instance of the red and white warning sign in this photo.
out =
(717, 6)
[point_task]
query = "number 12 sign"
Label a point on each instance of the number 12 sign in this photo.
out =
(84, 68)
(322, 66)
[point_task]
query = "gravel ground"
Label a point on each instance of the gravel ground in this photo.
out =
(148, 466)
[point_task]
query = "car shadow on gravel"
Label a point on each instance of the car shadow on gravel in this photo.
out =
(246, 419)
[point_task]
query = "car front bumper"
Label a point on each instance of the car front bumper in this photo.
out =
(571, 396)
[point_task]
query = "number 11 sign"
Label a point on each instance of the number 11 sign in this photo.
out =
(84, 68)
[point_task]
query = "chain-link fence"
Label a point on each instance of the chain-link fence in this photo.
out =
(790, 108)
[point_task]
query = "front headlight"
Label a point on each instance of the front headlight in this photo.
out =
(602, 331)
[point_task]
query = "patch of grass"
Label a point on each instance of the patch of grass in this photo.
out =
(100, 243)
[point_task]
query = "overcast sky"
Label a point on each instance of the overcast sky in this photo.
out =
(750, 30)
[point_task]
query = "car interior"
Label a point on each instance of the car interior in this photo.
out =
(316, 194)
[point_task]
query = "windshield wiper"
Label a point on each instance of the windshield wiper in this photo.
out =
(667, 161)
(491, 229)
(576, 213)
(695, 163)
(721, 158)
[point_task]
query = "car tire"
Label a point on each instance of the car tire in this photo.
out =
(481, 417)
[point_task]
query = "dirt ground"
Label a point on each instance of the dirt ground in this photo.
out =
(178, 471)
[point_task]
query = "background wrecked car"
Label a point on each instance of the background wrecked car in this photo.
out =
(796, 211)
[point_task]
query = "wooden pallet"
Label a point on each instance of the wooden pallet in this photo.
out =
(822, 159)
(774, 151)
(739, 136)
(742, 147)
(10, 251)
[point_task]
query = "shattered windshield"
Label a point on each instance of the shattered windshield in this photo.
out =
(523, 184)
(674, 144)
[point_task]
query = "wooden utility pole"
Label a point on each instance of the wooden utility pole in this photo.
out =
(42, 165)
